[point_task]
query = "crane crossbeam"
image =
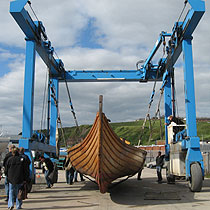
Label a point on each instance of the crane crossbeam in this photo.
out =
(110, 75)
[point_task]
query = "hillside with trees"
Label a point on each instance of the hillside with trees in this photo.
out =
(132, 131)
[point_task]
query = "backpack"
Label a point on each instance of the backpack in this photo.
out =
(53, 176)
(22, 192)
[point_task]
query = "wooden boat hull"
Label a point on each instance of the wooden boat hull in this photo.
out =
(103, 156)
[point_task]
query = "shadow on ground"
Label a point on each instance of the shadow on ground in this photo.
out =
(135, 193)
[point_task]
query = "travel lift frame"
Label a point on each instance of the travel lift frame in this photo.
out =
(179, 40)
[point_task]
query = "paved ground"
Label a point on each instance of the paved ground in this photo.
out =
(132, 194)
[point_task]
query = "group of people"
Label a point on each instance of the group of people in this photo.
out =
(71, 173)
(17, 173)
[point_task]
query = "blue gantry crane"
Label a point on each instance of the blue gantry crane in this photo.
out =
(183, 154)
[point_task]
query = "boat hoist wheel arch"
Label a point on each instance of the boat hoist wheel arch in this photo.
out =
(196, 179)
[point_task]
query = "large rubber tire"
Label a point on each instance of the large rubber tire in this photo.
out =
(196, 179)
(170, 178)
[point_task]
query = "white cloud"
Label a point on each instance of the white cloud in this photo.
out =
(11, 96)
(127, 30)
(133, 23)
(6, 55)
(10, 32)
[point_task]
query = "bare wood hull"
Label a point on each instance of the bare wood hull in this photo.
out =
(103, 156)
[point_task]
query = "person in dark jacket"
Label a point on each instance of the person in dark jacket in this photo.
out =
(159, 166)
(69, 170)
(178, 122)
(17, 174)
(22, 154)
(179, 131)
(27, 160)
(6, 183)
(48, 169)
(27, 166)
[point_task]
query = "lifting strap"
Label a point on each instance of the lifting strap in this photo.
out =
(44, 103)
(89, 179)
(59, 118)
(62, 130)
(157, 113)
(70, 103)
(148, 111)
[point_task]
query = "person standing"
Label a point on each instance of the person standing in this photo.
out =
(179, 131)
(48, 169)
(139, 174)
(27, 166)
(176, 121)
(159, 166)
(69, 170)
(17, 175)
(22, 154)
(6, 183)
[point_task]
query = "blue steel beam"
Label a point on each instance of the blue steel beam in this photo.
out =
(34, 30)
(168, 111)
(193, 17)
(28, 100)
(23, 19)
(192, 143)
(156, 47)
(28, 103)
(185, 29)
(110, 75)
(189, 88)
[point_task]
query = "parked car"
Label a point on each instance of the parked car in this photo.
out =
(153, 164)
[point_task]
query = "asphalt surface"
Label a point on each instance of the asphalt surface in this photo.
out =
(131, 194)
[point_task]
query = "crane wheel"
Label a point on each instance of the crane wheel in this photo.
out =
(196, 179)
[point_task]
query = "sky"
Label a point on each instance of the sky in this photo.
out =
(95, 35)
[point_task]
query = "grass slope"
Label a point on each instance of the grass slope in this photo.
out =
(132, 131)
